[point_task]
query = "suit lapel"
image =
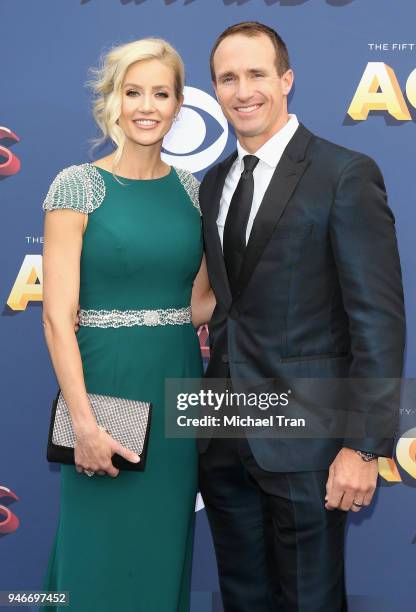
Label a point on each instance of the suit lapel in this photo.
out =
(282, 185)
(212, 238)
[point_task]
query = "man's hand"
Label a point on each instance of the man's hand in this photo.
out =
(77, 319)
(351, 482)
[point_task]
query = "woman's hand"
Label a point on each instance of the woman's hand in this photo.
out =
(94, 448)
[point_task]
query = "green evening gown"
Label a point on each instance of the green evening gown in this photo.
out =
(125, 543)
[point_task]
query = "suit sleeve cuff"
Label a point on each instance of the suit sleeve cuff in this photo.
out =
(382, 447)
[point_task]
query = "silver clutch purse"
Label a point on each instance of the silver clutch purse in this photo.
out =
(127, 421)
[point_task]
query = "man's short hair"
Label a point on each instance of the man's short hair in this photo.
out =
(255, 28)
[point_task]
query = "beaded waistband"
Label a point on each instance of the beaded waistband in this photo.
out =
(130, 318)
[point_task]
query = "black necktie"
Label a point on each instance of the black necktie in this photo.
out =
(234, 238)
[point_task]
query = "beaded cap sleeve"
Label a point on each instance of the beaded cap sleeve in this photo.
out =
(191, 186)
(79, 187)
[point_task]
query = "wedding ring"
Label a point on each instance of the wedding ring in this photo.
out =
(354, 503)
(89, 472)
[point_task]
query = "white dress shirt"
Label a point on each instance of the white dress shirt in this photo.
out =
(269, 156)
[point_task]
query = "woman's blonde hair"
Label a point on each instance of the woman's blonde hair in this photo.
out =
(108, 79)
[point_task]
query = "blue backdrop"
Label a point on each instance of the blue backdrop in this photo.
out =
(46, 124)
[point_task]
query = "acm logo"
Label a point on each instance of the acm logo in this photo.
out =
(379, 90)
(11, 163)
(405, 458)
(8, 520)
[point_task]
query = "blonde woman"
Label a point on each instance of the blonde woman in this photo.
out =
(123, 238)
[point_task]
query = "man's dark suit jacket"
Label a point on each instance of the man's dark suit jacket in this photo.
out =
(319, 295)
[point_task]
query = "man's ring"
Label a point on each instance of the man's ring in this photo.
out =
(89, 472)
(354, 503)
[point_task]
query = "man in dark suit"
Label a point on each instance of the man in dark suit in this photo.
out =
(302, 257)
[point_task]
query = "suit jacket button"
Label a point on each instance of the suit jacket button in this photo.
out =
(224, 358)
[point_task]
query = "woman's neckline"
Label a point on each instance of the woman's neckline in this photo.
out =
(125, 178)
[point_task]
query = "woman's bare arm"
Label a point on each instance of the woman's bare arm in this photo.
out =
(61, 279)
(61, 262)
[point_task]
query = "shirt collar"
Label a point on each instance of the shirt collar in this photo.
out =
(272, 150)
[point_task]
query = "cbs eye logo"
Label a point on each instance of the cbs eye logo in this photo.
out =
(184, 145)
